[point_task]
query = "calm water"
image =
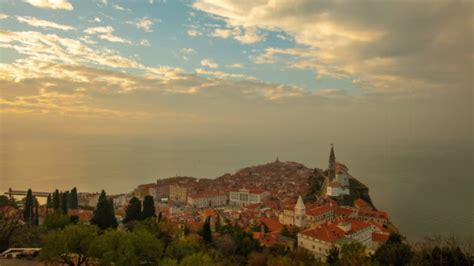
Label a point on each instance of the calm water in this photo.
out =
(426, 189)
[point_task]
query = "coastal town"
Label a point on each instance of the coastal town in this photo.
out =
(279, 203)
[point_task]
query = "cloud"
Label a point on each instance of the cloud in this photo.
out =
(144, 43)
(193, 31)
(105, 33)
(120, 8)
(186, 53)
(144, 23)
(3, 16)
(249, 36)
(43, 23)
(243, 35)
(400, 47)
(53, 48)
(51, 4)
(223, 75)
(235, 65)
(209, 63)
(222, 33)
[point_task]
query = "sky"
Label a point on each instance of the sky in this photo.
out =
(271, 78)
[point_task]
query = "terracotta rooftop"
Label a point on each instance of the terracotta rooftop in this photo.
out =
(273, 225)
(379, 237)
(318, 210)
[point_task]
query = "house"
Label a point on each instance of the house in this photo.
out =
(207, 199)
(320, 239)
(294, 215)
(244, 196)
(178, 193)
(320, 215)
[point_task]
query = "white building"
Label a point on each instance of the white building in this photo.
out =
(205, 200)
(336, 189)
(244, 197)
(121, 200)
(320, 215)
(320, 239)
(303, 216)
(294, 215)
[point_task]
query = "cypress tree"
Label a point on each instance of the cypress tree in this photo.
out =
(28, 208)
(73, 201)
(49, 202)
(64, 197)
(36, 212)
(206, 230)
(104, 216)
(56, 200)
(148, 207)
(134, 210)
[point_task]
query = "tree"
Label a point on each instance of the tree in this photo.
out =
(148, 207)
(127, 248)
(5, 201)
(56, 200)
(73, 201)
(160, 216)
(64, 201)
(70, 245)
(104, 216)
(206, 230)
(394, 251)
(56, 220)
(28, 207)
(353, 253)
(49, 202)
(333, 256)
(183, 247)
(197, 259)
(36, 220)
(9, 224)
(134, 210)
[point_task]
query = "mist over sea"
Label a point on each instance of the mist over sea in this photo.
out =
(426, 190)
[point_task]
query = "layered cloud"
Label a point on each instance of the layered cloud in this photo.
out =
(51, 4)
(392, 48)
(32, 21)
(106, 33)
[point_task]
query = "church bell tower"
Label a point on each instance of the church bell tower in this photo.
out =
(332, 165)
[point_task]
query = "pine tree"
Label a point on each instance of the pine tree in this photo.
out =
(64, 200)
(104, 216)
(148, 207)
(28, 208)
(73, 201)
(134, 210)
(56, 200)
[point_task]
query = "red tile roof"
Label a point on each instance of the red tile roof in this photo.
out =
(374, 214)
(379, 237)
(359, 203)
(331, 232)
(318, 210)
(273, 225)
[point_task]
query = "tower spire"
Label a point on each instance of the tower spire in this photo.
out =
(332, 164)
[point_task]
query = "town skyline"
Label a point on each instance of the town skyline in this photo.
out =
(316, 102)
